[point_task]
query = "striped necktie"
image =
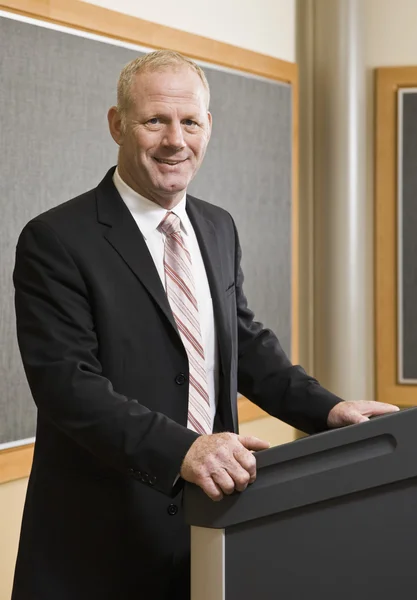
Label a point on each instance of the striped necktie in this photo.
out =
(180, 290)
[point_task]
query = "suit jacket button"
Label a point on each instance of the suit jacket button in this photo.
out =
(145, 478)
(172, 509)
(180, 379)
(152, 480)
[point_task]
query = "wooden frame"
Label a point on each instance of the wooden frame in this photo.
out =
(388, 389)
(100, 21)
(15, 463)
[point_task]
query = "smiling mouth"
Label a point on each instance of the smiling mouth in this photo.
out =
(169, 162)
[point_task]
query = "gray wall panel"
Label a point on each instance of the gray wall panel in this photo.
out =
(55, 89)
(409, 236)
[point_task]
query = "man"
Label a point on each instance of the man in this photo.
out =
(136, 335)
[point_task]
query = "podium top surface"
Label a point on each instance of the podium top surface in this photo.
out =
(320, 467)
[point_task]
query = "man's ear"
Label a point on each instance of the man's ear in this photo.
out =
(210, 121)
(115, 125)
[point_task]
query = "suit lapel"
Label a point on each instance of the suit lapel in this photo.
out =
(123, 234)
(209, 247)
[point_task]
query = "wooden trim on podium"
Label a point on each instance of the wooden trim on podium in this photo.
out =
(15, 463)
(388, 389)
(100, 21)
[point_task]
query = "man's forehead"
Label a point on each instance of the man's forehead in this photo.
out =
(173, 80)
(178, 86)
(178, 74)
(174, 95)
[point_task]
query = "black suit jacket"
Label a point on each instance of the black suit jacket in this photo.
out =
(108, 372)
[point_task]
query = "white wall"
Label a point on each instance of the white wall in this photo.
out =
(391, 38)
(265, 26)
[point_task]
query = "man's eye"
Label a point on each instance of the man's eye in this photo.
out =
(153, 121)
(189, 123)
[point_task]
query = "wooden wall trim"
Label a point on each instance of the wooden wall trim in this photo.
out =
(295, 292)
(387, 83)
(15, 463)
(248, 411)
(100, 21)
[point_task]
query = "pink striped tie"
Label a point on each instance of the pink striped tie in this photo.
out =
(181, 295)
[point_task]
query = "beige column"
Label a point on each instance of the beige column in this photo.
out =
(342, 264)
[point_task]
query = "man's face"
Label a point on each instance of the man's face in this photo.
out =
(167, 131)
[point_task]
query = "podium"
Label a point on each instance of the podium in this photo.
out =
(330, 517)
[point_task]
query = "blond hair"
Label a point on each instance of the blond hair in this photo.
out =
(153, 61)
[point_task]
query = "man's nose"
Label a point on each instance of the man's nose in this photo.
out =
(174, 136)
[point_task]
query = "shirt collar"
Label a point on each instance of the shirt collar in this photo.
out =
(148, 214)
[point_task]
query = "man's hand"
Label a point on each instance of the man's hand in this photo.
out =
(350, 413)
(222, 463)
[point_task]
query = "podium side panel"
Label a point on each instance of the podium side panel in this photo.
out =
(207, 564)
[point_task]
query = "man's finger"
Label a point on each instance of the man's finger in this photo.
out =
(212, 490)
(253, 443)
(372, 408)
(357, 411)
(240, 476)
(357, 417)
(224, 481)
(248, 462)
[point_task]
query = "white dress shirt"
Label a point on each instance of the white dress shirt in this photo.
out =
(148, 216)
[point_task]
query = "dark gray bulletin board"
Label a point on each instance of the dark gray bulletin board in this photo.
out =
(407, 235)
(55, 90)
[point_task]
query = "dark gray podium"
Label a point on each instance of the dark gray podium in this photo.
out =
(330, 517)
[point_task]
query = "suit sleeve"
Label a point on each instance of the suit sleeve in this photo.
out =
(60, 353)
(266, 375)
